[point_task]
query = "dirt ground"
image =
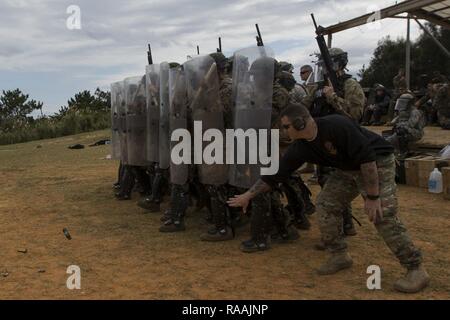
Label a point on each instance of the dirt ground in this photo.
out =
(46, 187)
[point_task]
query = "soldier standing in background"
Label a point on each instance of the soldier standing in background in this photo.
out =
(408, 125)
(349, 98)
(442, 105)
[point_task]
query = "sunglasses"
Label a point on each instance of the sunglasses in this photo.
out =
(303, 72)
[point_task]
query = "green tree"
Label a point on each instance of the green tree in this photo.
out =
(86, 102)
(426, 58)
(15, 108)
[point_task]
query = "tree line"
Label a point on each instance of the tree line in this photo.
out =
(426, 59)
(83, 112)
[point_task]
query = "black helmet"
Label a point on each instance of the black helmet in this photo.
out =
(219, 59)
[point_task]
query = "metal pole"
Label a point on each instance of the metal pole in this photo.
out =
(440, 45)
(330, 40)
(408, 53)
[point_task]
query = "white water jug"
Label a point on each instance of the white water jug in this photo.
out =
(435, 181)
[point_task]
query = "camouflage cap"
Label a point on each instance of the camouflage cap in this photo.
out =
(286, 79)
(173, 65)
(219, 59)
(286, 66)
(340, 56)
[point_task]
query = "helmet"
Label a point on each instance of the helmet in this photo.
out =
(404, 102)
(379, 87)
(220, 60)
(287, 80)
(339, 57)
(286, 66)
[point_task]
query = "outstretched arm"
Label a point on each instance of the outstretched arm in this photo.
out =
(372, 204)
(243, 200)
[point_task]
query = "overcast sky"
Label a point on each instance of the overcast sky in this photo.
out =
(42, 56)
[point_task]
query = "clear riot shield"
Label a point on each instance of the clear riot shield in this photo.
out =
(136, 120)
(122, 108)
(179, 172)
(116, 92)
(253, 74)
(152, 94)
(202, 83)
(164, 105)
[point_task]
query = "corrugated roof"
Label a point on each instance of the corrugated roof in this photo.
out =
(435, 11)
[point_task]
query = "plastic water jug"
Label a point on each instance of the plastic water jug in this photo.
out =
(435, 181)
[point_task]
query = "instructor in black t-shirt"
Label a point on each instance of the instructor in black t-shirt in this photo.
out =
(364, 164)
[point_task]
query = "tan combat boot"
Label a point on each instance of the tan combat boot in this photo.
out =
(338, 261)
(413, 281)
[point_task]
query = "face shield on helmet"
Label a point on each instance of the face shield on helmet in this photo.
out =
(403, 103)
(319, 72)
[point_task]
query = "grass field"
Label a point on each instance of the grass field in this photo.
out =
(46, 187)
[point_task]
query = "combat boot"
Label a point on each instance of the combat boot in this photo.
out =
(348, 225)
(301, 221)
(148, 204)
(338, 261)
(166, 216)
(413, 281)
(310, 208)
(122, 196)
(252, 245)
(289, 235)
(320, 246)
(173, 225)
(215, 234)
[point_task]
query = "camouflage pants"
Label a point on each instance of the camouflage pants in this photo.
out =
(444, 121)
(268, 214)
(179, 201)
(341, 188)
(218, 196)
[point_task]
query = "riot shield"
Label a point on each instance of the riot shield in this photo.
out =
(152, 87)
(164, 105)
(122, 110)
(178, 120)
(116, 92)
(253, 74)
(203, 94)
(136, 120)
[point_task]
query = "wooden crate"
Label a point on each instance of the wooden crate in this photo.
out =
(425, 166)
(446, 182)
(412, 171)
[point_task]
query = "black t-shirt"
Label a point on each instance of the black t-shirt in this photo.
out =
(340, 143)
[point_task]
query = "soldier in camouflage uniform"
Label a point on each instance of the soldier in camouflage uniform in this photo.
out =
(218, 194)
(348, 99)
(269, 216)
(442, 105)
(425, 104)
(364, 165)
(286, 79)
(408, 125)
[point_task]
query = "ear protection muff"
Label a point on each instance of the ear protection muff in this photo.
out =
(299, 124)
